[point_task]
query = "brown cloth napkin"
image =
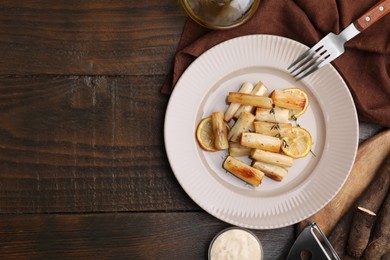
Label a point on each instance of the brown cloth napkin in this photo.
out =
(365, 64)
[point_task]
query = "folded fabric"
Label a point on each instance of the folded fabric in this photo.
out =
(365, 64)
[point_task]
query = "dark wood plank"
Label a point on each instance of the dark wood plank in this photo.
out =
(85, 144)
(183, 235)
(89, 37)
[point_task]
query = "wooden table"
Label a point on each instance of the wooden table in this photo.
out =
(83, 170)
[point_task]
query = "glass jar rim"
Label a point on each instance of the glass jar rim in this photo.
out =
(248, 14)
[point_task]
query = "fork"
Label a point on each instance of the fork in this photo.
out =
(332, 45)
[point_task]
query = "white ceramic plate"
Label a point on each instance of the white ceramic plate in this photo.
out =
(310, 183)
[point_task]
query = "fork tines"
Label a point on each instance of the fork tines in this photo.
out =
(309, 62)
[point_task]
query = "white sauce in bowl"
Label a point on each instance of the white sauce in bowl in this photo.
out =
(235, 243)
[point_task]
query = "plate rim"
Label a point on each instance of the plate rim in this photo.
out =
(207, 209)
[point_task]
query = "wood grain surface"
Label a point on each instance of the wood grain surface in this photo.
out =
(141, 236)
(88, 37)
(92, 144)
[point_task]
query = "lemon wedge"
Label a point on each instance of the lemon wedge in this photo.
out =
(205, 135)
(298, 143)
(299, 93)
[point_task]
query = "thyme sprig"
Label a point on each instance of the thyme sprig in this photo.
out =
(272, 111)
(276, 126)
(293, 117)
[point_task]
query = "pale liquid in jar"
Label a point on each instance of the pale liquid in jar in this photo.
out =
(236, 244)
(220, 12)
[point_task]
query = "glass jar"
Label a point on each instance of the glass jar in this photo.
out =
(220, 14)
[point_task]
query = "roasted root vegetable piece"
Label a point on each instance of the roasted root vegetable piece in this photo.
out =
(259, 141)
(237, 150)
(272, 158)
(249, 99)
(287, 100)
(259, 90)
(252, 128)
(371, 200)
(379, 245)
(273, 115)
(361, 232)
(246, 87)
(272, 171)
(220, 131)
(369, 158)
(272, 129)
(243, 124)
(243, 171)
(338, 238)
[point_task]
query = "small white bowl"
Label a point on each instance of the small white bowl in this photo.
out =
(236, 242)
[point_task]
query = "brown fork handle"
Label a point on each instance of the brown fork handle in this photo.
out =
(373, 15)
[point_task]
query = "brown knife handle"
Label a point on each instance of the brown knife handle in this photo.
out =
(373, 15)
